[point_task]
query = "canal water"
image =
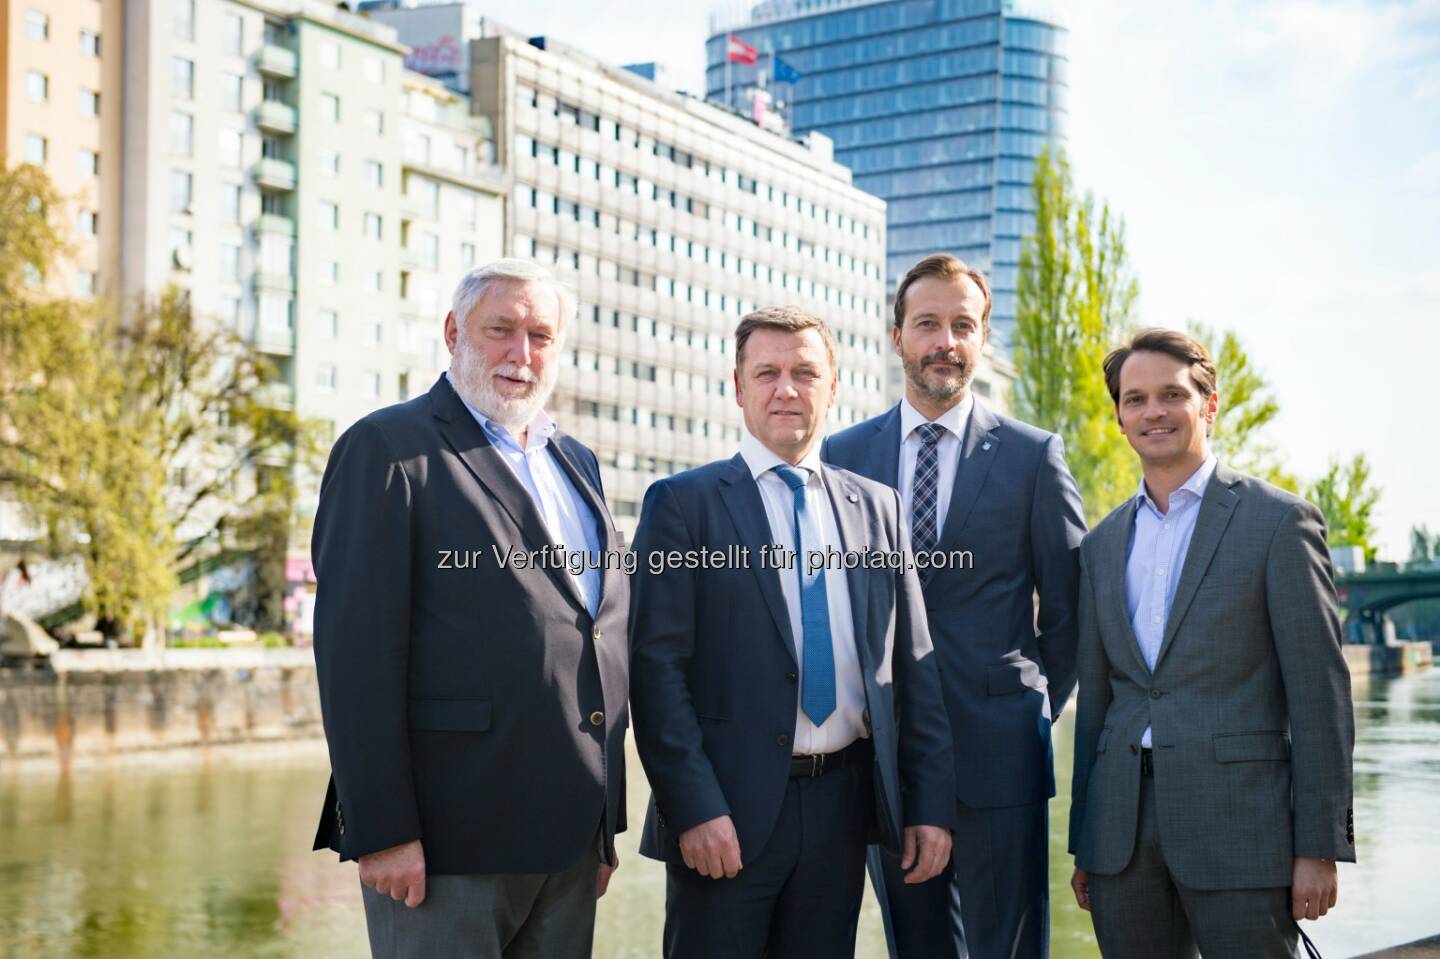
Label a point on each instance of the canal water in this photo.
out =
(214, 860)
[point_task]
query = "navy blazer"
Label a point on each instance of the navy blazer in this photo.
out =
(714, 680)
(1006, 667)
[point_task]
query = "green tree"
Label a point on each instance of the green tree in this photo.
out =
(1075, 295)
(1424, 545)
(1347, 497)
(139, 436)
(1247, 408)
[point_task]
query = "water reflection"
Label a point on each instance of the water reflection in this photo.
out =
(214, 860)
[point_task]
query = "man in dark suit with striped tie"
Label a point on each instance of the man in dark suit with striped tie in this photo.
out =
(782, 696)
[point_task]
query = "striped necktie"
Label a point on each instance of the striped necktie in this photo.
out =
(924, 524)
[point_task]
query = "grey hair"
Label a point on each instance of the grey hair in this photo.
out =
(474, 284)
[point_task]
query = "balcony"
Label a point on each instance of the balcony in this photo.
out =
(276, 342)
(275, 396)
(273, 116)
(275, 223)
(276, 61)
(272, 174)
(274, 282)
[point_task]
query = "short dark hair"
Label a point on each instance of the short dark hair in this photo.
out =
(946, 267)
(789, 319)
(1173, 343)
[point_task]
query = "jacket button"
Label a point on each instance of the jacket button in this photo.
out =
(1134, 749)
(782, 740)
(1154, 694)
(791, 678)
(595, 633)
(597, 718)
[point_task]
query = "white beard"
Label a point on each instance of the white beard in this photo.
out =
(473, 378)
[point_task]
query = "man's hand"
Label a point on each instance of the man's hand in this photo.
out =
(712, 849)
(605, 871)
(397, 872)
(1080, 882)
(1314, 888)
(927, 848)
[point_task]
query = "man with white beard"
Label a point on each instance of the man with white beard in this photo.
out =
(475, 715)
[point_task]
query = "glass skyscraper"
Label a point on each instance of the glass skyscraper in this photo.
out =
(938, 106)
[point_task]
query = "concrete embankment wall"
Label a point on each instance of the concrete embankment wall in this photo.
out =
(1393, 659)
(87, 705)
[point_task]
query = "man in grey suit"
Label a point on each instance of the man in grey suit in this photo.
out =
(787, 710)
(1213, 742)
(470, 641)
(973, 480)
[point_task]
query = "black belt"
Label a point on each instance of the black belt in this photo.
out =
(810, 765)
(1147, 762)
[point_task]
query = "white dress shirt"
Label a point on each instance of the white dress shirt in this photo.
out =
(955, 421)
(1157, 556)
(847, 723)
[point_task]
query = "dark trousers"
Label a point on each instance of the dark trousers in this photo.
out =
(1144, 913)
(490, 916)
(800, 897)
(991, 902)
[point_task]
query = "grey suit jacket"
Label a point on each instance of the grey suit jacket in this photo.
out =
(1006, 668)
(1249, 702)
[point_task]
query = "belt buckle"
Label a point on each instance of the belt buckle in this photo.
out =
(817, 764)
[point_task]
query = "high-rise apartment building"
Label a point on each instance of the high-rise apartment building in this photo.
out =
(938, 106)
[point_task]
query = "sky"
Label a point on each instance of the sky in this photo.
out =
(1277, 165)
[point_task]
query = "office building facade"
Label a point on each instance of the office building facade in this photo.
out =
(938, 106)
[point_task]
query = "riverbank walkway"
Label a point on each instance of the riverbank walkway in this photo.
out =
(1424, 949)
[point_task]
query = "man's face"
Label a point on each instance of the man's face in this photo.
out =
(1161, 411)
(785, 386)
(940, 341)
(505, 359)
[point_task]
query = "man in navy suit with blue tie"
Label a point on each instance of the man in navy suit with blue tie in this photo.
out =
(781, 696)
(995, 487)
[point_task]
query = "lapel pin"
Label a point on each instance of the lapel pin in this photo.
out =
(853, 497)
(985, 445)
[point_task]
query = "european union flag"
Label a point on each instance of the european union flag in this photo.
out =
(785, 73)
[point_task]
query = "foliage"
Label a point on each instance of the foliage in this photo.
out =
(1075, 295)
(137, 434)
(1247, 407)
(1347, 497)
(1424, 545)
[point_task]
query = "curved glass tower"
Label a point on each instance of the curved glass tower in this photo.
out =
(938, 106)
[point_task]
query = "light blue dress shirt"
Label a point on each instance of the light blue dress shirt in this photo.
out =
(568, 517)
(1157, 554)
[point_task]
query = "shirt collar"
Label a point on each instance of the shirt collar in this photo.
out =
(537, 432)
(1195, 485)
(761, 459)
(953, 419)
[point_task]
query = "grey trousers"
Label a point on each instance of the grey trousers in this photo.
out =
(506, 916)
(1144, 913)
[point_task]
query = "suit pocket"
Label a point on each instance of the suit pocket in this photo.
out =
(1013, 676)
(452, 715)
(1102, 742)
(1252, 747)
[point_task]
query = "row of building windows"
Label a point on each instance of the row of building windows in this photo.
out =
(868, 21)
(37, 89)
(37, 151)
(37, 27)
(945, 122)
(942, 179)
(954, 149)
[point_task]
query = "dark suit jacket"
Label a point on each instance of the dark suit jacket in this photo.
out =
(1005, 667)
(1249, 703)
(459, 703)
(715, 681)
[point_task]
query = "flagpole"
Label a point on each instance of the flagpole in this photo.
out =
(727, 71)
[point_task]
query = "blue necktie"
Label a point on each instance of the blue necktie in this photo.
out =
(924, 516)
(817, 685)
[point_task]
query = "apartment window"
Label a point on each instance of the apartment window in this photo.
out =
(375, 173)
(325, 376)
(372, 384)
(460, 157)
(430, 250)
(181, 186)
(232, 92)
(374, 333)
(182, 77)
(468, 210)
(417, 148)
(36, 149)
(374, 70)
(330, 324)
(330, 106)
(273, 91)
(329, 54)
(277, 254)
(375, 122)
(180, 243)
(185, 19)
(329, 273)
(330, 214)
(229, 262)
(85, 283)
(373, 226)
(427, 192)
(89, 43)
(89, 163)
(228, 310)
(271, 149)
(88, 223)
(372, 282)
(37, 25)
(89, 103)
(277, 313)
(232, 34)
(467, 255)
(37, 86)
(230, 203)
(182, 134)
(232, 147)
(330, 162)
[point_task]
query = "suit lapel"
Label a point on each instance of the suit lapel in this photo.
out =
(470, 443)
(845, 503)
(981, 444)
(741, 496)
(884, 451)
(1216, 509)
(609, 538)
(1111, 585)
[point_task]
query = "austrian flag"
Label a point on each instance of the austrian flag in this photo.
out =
(741, 52)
